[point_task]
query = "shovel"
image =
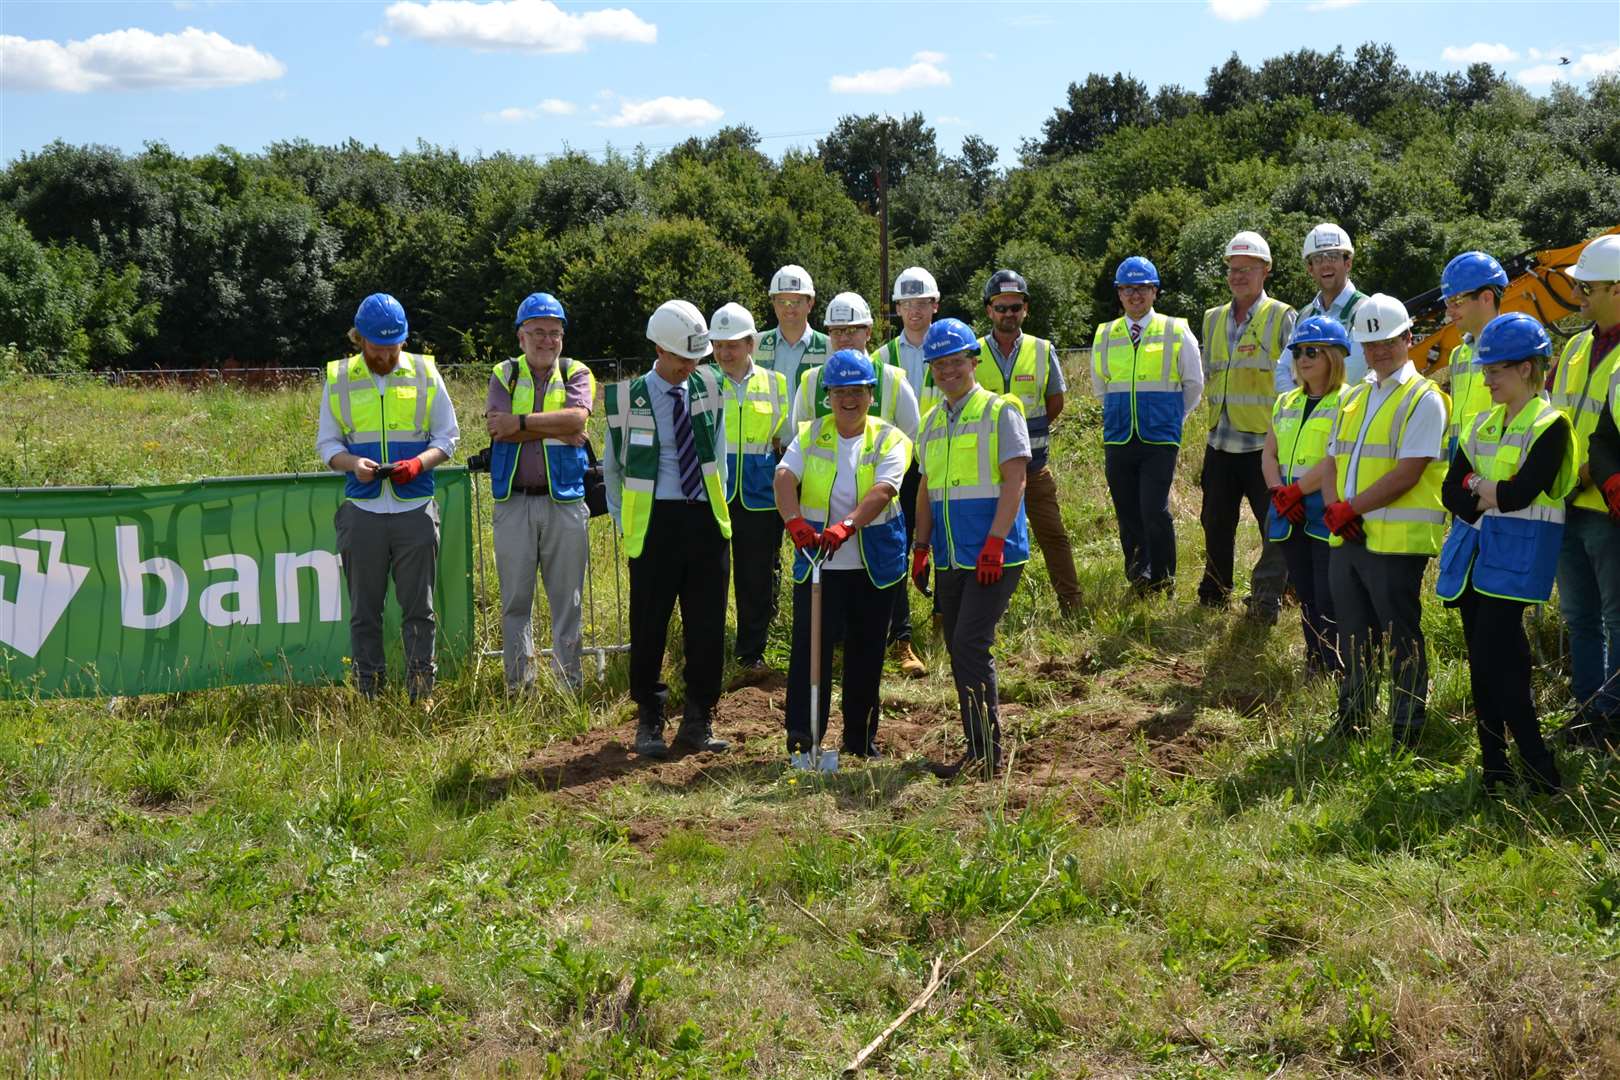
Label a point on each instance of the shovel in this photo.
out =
(820, 761)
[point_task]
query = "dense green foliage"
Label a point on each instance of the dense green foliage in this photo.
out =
(158, 258)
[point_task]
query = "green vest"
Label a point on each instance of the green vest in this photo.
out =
(634, 433)
(814, 353)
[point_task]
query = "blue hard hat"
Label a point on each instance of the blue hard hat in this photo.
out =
(947, 337)
(1136, 271)
(1510, 338)
(1005, 281)
(1470, 272)
(381, 320)
(848, 367)
(540, 305)
(1320, 330)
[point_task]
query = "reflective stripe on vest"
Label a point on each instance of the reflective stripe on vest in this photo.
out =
(1300, 445)
(386, 427)
(1469, 394)
(1415, 523)
(883, 401)
(1141, 383)
(1514, 555)
(1243, 383)
(962, 468)
(634, 435)
(1031, 371)
(754, 411)
(1581, 391)
(564, 464)
(883, 539)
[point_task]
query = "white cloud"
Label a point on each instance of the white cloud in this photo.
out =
(923, 71)
(944, 121)
(133, 59)
(1480, 52)
(526, 25)
(382, 41)
(665, 112)
(1586, 67)
(516, 114)
(1238, 10)
(1331, 5)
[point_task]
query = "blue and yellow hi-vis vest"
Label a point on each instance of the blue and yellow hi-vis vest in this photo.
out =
(962, 467)
(386, 427)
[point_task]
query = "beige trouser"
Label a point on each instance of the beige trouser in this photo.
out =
(1046, 523)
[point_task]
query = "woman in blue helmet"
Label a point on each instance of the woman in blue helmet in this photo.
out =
(1301, 425)
(1506, 485)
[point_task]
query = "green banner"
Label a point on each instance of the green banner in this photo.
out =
(139, 590)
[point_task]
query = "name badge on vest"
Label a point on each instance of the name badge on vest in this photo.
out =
(1248, 349)
(641, 438)
(1021, 377)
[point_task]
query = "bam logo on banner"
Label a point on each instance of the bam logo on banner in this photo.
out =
(180, 587)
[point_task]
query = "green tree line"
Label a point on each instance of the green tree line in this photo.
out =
(113, 259)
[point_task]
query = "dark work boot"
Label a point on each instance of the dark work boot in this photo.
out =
(697, 731)
(650, 732)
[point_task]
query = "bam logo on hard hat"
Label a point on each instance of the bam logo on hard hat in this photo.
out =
(1328, 239)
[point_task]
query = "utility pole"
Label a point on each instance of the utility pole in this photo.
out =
(883, 220)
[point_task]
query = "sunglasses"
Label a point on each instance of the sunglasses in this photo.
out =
(1311, 352)
(1589, 287)
(790, 304)
(1006, 309)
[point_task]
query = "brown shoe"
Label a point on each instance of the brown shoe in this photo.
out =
(910, 666)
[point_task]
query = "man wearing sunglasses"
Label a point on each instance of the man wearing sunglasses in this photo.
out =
(1471, 285)
(791, 346)
(1146, 371)
(1024, 366)
(1243, 345)
(1328, 255)
(1589, 562)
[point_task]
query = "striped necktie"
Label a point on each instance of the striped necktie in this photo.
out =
(686, 454)
(1136, 334)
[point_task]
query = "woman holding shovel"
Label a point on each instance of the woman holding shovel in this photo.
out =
(837, 488)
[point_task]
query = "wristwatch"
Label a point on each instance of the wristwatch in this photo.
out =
(849, 523)
(523, 421)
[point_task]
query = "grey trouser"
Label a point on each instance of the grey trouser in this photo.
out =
(532, 531)
(371, 547)
(1378, 601)
(971, 613)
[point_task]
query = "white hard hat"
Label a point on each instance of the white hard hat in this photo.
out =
(731, 322)
(678, 327)
(1379, 318)
(1599, 261)
(1327, 237)
(848, 309)
(915, 283)
(1251, 244)
(792, 279)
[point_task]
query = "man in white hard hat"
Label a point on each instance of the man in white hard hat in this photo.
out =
(849, 326)
(916, 301)
(757, 428)
(791, 345)
(1328, 255)
(666, 489)
(1383, 473)
(1583, 388)
(1243, 343)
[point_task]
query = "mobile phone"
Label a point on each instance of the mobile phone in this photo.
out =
(384, 470)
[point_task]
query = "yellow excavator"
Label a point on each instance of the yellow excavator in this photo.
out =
(1537, 285)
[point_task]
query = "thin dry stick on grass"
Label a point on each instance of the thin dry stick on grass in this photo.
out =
(936, 979)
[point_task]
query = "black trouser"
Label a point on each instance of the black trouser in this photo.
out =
(756, 568)
(1308, 562)
(971, 614)
(1499, 672)
(900, 618)
(1227, 480)
(1378, 597)
(1139, 476)
(683, 559)
(853, 611)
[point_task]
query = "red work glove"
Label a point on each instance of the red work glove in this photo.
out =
(834, 535)
(803, 533)
(1342, 520)
(406, 471)
(1611, 495)
(919, 569)
(990, 560)
(1289, 502)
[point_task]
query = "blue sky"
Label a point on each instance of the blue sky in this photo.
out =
(533, 77)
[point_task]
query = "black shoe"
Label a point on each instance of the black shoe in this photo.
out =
(1542, 776)
(750, 672)
(1264, 612)
(650, 734)
(969, 767)
(1405, 737)
(697, 732)
(870, 753)
(1214, 603)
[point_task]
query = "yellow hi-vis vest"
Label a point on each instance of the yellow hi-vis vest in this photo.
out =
(962, 467)
(386, 427)
(883, 539)
(884, 399)
(1415, 523)
(754, 411)
(635, 440)
(565, 464)
(1469, 394)
(1302, 442)
(1242, 381)
(1030, 369)
(1580, 391)
(1514, 555)
(1141, 383)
